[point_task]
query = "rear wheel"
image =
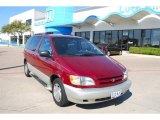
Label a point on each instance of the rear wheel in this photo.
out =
(26, 70)
(59, 94)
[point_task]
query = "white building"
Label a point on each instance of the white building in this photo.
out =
(139, 26)
(30, 17)
(135, 26)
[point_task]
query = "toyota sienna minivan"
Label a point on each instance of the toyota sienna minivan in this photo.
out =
(74, 69)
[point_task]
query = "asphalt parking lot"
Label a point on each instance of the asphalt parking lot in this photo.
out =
(19, 94)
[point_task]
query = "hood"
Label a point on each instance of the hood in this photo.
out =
(92, 66)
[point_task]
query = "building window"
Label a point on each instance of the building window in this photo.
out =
(85, 34)
(49, 16)
(146, 38)
(130, 34)
(88, 35)
(96, 37)
(114, 37)
(137, 37)
(127, 38)
(155, 38)
(102, 37)
(29, 21)
(108, 37)
(78, 34)
(14, 39)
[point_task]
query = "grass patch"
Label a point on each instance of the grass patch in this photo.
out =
(145, 50)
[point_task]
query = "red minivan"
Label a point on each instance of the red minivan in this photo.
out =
(74, 69)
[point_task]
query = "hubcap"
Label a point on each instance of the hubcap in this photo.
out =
(25, 68)
(108, 53)
(57, 92)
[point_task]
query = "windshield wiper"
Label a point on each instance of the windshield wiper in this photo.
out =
(90, 54)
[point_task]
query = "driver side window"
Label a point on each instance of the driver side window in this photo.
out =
(86, 46)
(46, 46)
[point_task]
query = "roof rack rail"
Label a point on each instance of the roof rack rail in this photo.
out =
(51, 33)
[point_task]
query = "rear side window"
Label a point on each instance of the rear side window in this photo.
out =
(28, 42)
(33, 42)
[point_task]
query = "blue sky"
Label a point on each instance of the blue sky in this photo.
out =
(7, 12)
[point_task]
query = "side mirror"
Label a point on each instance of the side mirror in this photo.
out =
(44, 53)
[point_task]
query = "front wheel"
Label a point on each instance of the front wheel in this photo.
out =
(108, 53)
(59, 94)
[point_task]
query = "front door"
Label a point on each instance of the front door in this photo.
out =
(44, 64)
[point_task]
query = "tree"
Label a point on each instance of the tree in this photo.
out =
(16, 27)
(6, 29)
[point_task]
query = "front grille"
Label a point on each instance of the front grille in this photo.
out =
(110, 81)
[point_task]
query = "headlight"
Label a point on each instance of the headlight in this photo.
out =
(83, 81)
(125, 75)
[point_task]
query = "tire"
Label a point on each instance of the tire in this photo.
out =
(108, 53)
(59, 94)
(26, 70)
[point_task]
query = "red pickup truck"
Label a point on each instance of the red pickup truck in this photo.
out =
(74, 69)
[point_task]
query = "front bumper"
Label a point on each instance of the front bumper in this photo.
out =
(94, 95)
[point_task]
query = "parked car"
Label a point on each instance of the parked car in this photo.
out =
(110, 49)
(74, 69)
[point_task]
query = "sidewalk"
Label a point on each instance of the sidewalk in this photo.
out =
(139, 55)
(3, 45)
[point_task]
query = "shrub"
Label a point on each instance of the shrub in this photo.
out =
(145, 50)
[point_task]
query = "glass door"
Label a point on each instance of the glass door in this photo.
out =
(109, 37)
(125, 37)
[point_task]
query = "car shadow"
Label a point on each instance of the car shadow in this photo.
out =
(11, 67)
(3, 51)
(115, 102)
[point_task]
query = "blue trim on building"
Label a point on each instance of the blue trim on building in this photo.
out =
(59, 30)
(92, 17)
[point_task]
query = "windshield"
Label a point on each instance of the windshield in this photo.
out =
(75, 47)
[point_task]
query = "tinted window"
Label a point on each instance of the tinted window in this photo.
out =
(114, 37)
(102, 37)
(29, 21)
(87, 35)
(28, 42)
(83, 34)
(108, 37)
(156, 38)
(96, 37)
(146, 41)
(33, 42)
(130, 34)
(137, 36)
(75, 47)
(46, 46)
